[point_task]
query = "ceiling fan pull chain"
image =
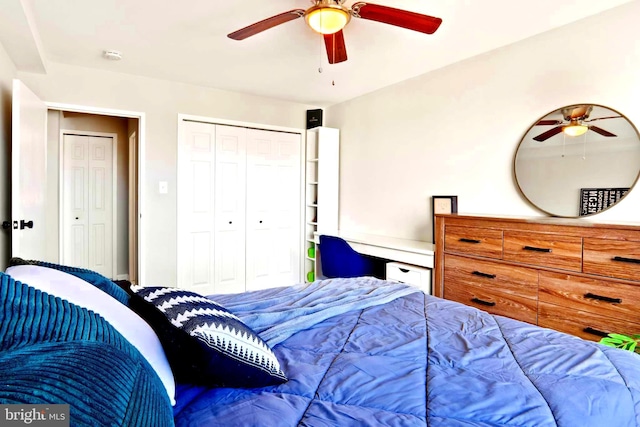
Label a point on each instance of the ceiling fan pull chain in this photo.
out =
(320, 59)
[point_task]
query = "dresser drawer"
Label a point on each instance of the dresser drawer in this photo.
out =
(615, 258)
(484, 242)
(521, 281)
(543, 249)
(611, 299)
(584, 324)
(493, 301)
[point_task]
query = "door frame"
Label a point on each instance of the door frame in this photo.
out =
(217, 121)
(133, 209)
(114, 192)
(141, 133)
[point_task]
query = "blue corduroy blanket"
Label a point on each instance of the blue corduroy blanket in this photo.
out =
(279, 313)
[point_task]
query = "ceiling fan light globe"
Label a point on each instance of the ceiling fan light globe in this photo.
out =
(575, 130)
(327, 19)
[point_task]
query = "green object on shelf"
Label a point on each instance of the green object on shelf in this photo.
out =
(311, 252)
(311, 276)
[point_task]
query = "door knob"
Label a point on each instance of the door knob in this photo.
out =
(6, 225)
(25, 224)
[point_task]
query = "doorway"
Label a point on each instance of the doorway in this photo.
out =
(36, 151)
(87, 242)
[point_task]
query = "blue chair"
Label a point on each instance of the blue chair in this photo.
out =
(338, 259)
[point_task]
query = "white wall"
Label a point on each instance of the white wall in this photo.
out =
(455, 131)
(161, 101)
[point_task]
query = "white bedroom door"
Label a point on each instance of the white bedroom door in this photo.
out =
(88, 202)
(28, 174)
(273, 209)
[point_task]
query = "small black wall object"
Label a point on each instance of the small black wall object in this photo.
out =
(314, 118)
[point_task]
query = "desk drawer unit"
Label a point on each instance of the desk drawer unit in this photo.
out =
(409, 274)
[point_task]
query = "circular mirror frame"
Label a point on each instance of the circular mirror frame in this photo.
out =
(548, 126)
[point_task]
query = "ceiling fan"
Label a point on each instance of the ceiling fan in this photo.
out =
(329, 17)
(577, 116)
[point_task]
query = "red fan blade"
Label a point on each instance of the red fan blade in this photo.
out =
(601, 131)
(549, 123)
(336, 49)
(548, 134)
(400, 18)
(265, 24)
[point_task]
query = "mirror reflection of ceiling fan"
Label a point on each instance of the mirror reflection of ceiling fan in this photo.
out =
(575, 123)
(329, 17)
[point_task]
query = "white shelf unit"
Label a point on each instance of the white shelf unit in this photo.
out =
(321, 191)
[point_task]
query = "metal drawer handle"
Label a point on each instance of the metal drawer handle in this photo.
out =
(623, 259)
(533, 248)
(469, 240)
(482, 302)
(593, 331)
(404, 270)
(601, 298)
(481, 274)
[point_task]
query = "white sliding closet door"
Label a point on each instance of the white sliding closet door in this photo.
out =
(273, 209)
(239, 208)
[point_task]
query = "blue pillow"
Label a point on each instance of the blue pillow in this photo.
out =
(103, 385)
(95, 278)
(55, 352)
(204, 342)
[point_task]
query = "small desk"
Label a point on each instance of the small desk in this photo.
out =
(416, 252)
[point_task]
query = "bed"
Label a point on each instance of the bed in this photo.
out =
(363, 351)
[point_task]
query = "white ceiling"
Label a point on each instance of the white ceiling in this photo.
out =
(186, 41)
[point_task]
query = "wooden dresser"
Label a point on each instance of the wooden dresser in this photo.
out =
(570, 275)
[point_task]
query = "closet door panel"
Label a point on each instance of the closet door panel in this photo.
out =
(230, 182)
(273, 209)
(195, 198)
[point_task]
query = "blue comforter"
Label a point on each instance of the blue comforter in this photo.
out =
(420, 360)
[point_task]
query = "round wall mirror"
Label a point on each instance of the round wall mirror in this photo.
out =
(578, 160)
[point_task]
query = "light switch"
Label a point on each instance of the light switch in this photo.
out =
(163, 187)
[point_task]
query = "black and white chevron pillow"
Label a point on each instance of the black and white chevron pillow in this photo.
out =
(204, 342)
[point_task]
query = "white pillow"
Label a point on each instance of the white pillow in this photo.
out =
(129, 324)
